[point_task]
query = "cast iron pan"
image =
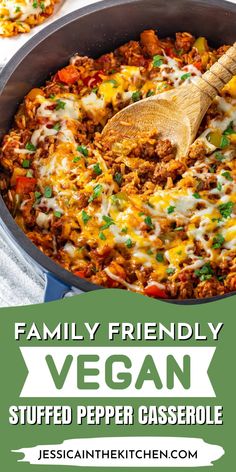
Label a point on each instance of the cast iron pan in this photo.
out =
(92, 31)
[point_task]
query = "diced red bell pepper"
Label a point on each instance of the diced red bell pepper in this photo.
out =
(198, 65)
(171, 52)
(155, 292)
(68, 75)
(80, 273)
(111, 283)
(25, 184)
(94, 80)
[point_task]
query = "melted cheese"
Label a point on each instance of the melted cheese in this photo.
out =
(117, 219)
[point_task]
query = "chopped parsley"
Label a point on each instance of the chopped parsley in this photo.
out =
(157, 60)
(48, 192)
(224, 142)
(109, 221)
(102, 236)
(118, 178)
(218, 241)
(26, 163)
(227, 175)
(57, 214)
(219, 186)
(226, 209)
(179, 228)
(129, 243)
(83, 150)
(35, 5)
(148, 221)
(170, 209)
(97, 169)
(149, 252)
(159, 257)
(136, 96)
(42, 6)
(57, 126)
(205, 273)
(229, 129)
(17, 10)
(124, 230)
(30, 147)
(85, 217)
(96, 193)
(60, 105)
(196, 195)
(185, 76)
(170, 271)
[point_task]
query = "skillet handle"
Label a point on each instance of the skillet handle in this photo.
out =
(55, 289)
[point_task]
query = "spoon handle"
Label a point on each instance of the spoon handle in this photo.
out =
(212, 82)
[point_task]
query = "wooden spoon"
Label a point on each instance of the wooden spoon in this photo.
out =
(175, 114)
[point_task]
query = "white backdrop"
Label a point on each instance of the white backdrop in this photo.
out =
(19, 283)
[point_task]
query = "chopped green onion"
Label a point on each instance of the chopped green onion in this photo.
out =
(76, 159)
(96, 192)
(109, 221)
(157, 60)
(30, 147)
(218, 241)
(185, 76)
(170, 209)
(129, 243)
(196, 195)
(159, 257)
(57, 126)
(136, 96)
(102, 236)
(118, 178)
(224, 142)
(226, 209)
(150, 93)
(219, 157)
(26, 163)
(205, 273)
(57, 214)
(48, 192)
(60, 105)
(227, 175)
(229, 129)
(83, 150)
(148, 221)
(97, 169)
(85, 217)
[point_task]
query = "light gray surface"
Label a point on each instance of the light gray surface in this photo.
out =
(20, 284)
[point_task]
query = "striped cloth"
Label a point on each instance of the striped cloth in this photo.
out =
(20, 284)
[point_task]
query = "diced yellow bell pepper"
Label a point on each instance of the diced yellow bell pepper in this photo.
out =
(230, 87)
(233, 138)
(201, 45)
(214, 137)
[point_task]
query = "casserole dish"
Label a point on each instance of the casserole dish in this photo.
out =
(73, 34)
